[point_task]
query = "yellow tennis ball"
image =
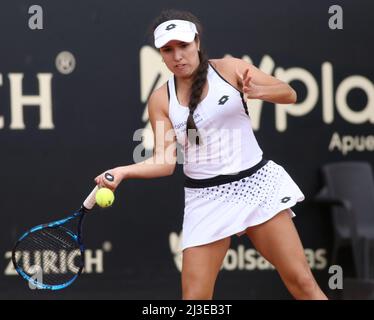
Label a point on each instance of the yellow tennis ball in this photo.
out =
(104, 197)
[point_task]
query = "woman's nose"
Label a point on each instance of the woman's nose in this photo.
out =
(177, 55)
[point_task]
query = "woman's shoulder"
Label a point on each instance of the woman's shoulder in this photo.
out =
(227, 67)
(226, 63)
(159, 99)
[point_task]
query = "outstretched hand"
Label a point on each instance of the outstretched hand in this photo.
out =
(249, 89)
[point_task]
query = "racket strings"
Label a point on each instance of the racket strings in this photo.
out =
(51, 256)
(56, 239)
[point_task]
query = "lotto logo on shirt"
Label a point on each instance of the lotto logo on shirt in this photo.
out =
(223, 100)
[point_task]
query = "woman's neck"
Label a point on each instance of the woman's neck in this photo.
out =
(186, 82)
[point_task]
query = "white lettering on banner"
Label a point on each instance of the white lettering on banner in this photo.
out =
(43, 100)
(50, 260)
(327, 97)
(58, 262)
(347, 143)
(316, 258)
(9, 269)
(154, 73)
(91, 261)
(247, 259)
(298, 109)
(304, 107)
(244, 259)
(356, 117)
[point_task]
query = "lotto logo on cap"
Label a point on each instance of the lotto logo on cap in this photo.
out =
(181, 30)
(170, 26)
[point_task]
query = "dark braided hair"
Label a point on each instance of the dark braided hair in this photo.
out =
(201, 72)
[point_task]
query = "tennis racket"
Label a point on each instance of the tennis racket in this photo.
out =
(51, 255)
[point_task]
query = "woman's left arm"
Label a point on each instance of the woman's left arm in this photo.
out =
(256, 84)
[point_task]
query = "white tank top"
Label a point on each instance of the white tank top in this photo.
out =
(228, 142)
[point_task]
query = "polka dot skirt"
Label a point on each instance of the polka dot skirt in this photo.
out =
(213, 213)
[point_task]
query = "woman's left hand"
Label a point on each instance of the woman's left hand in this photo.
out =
(249, 89)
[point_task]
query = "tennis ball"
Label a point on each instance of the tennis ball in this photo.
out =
(104, 197)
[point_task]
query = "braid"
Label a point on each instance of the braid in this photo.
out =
(195, 97)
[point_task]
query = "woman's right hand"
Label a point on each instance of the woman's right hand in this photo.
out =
(118, 175)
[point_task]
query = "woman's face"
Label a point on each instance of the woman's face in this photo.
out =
(182, 58)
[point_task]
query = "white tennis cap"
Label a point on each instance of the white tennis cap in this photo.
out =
(181, 30)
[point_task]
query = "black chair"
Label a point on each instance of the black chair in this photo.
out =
(349, 190)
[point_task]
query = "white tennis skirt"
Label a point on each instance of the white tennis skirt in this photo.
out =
(218, 211)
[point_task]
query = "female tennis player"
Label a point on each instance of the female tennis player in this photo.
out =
(230, 189)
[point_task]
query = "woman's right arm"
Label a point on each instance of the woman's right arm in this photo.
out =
(163, 161)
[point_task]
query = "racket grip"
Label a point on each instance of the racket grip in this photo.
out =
(90, 201)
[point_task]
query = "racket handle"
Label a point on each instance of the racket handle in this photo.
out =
(90, 201)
